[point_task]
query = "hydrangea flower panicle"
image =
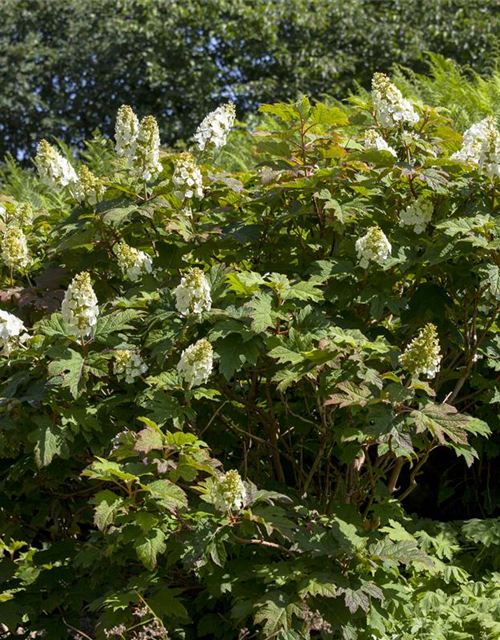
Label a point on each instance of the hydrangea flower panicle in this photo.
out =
(88, 188)
(423, 354)
(373, 140)
(193, 293)
(230, 492)
(15, 252)
(147, 150)
(12, 333)
(79, 307)
(215, 127)
(129, 365)
(53, 168)
(196, 363)
(187, 177)
(481, 146)
(373, 247)
(418, 214)
(391, 108)
(126, 132)
(132, 262)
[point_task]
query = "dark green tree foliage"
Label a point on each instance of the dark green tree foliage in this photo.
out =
(66, 64)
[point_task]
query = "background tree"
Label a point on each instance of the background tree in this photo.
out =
(65, 65)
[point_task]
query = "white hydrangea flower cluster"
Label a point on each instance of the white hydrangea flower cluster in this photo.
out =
(229, 492)
(88, 188)
(55, 171)
(193, 293)
(196, 363)
(373, 140)
(129, 365)
(147, 149)
(15, 252)
(132, 262)
(418, 214)
(187, 177)
(391, 108)
(481, 146)
(214, 129)
(373, 247)
(423, 355)
(138, 143)
(126, 132)
(79, 307)
(12, 333)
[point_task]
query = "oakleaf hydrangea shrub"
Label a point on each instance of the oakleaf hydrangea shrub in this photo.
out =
(219, 391)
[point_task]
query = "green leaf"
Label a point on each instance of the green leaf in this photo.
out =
(114, 215)
(70, 367)
(234, 354)
(484, 532)
(169, 494)
(276, 611)
(352, 394)
(49, 442)
(245, 283)
(108, 505)
(53, 327)
(104, 469)
(262, 316)
(443, 421)
(330, 116)
(318, 584)
(149, 546)
(284, 355)
(304, 290)
(149, 439)
(492, 280)
(165, 603)
(113, 322)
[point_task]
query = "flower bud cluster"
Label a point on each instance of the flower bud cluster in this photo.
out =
(214, 129)
(54, 169)
(133, 262)
(147, 149)
(138, 143)
(418, 214)
(88, 188)
(129, 365)
(373, 247)
(391, 108)
(15, 248)
(481, 146)
(373, 140)
(187, 177)
(193, 293)
(196, 363)
(79, 307)
(12, 333)
(126, 132)
(423, 355)
(229, 492)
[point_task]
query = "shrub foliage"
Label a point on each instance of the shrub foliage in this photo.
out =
(253, 486)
